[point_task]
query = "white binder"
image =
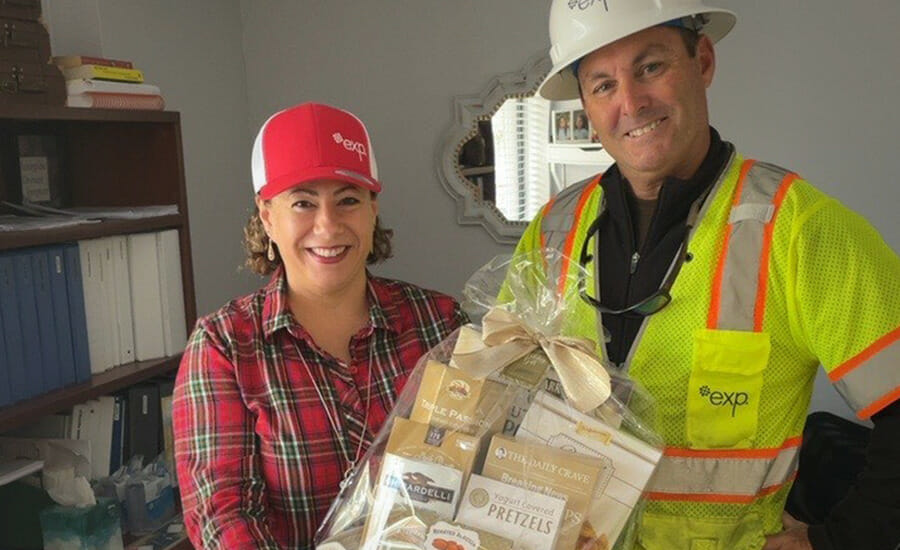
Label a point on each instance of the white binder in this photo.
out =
(143, 267)
(171, 291)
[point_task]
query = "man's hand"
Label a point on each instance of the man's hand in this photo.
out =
(794, 536)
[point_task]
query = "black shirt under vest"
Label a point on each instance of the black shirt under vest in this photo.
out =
(628, 272)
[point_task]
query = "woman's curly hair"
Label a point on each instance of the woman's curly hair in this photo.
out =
(256, 245)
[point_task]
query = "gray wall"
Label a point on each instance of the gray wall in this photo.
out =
(807, 84)
(396, 64)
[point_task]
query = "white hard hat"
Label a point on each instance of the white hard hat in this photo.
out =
(578, 27)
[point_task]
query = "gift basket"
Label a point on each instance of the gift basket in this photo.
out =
(507, 435)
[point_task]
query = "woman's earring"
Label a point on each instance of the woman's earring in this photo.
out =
(270, 254)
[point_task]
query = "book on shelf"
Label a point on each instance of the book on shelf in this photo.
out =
(9, 311)
(121, 298)
(94, 283)
(65, 61)
(62, 314)
(31, 342)
(51, 363)
(103, 72)
(5, 391)
(142, 429)
(75, 288)
(143, 258)
(103, 100)
(84, 85)
(168, 436)
(116, 460)
(171, 291)
(97, 428)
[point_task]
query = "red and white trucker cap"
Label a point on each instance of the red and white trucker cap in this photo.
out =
(312, 142)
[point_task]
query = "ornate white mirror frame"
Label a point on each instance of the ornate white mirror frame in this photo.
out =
(468, 111)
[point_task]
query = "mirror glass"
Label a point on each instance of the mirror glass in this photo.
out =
(509, 151)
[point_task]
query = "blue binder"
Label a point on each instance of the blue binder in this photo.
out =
(76, 313)
(9, 310)
(28, 319)
(118, 435)
(5, 393)
(43, 300)
(56, 258)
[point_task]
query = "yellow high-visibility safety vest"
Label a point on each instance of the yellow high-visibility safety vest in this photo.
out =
(781, 279)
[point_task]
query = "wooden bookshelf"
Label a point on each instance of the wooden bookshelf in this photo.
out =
(107, 158)
(113, 158)
(104, 383)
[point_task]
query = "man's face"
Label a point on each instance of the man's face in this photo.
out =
(646, 96)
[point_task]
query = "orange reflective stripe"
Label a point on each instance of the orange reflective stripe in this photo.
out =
(715, 300)
(760, 307)
(863, 356)
(768, 452)
(573, 231)
(889, 398)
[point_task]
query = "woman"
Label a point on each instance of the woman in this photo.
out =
(562, 127)
(580, 131)
(280, 392)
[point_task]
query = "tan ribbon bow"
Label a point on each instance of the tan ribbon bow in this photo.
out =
(506, 338)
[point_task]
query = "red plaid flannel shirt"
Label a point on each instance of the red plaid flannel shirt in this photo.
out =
(258, 461)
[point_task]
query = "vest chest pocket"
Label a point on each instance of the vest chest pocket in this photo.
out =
(664, 532)
(725, 388)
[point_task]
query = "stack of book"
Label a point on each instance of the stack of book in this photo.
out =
(104, 83)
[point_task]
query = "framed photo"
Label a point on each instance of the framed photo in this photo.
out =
(562, 127)
(581, 127)
(40, 175)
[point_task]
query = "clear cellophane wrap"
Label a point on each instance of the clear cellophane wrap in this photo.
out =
(508, 434)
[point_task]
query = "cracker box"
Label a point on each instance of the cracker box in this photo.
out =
(628, 462)
(449, 398)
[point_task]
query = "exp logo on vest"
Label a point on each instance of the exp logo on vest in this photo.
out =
(724, 398)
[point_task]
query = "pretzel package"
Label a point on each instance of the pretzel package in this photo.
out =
(510, 434)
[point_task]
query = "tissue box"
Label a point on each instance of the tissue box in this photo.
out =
(149, 504)
(89, 528)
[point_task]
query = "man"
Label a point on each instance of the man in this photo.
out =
(721, 284)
